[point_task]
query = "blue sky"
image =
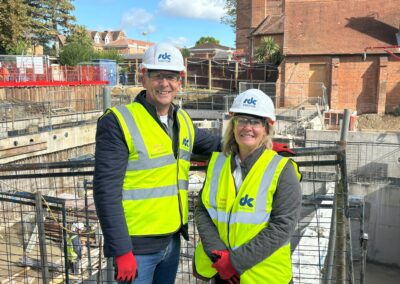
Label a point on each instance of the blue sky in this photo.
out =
(181, 22)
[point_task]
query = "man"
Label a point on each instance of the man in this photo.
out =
(74, 248)
(141, 174)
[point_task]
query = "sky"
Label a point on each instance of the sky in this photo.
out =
(180, 22)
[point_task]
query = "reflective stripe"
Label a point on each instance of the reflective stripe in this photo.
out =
(148, 193)
(184, 155)
(260, 214)
(183, 184)
(214, 180)
(188, 128)
(239, 217)
(146, 164)
(134, 131)
(266, 183)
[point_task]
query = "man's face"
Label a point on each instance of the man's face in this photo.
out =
(162, 87)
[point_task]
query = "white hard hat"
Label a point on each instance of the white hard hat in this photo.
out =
(163, 56)
(254, 102)
(77, 226)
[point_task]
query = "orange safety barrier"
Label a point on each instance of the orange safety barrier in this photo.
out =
(12, 76)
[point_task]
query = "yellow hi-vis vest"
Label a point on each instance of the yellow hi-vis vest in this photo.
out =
(240, 217)
(154, 195)
(72, 256)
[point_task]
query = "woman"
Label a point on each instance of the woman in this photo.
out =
(248, 208)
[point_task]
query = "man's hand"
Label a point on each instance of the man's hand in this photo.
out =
(224, 266)
(126, 267)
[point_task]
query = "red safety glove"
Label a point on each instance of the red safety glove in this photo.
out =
(224, 266)
(126, 267)
(282, 149)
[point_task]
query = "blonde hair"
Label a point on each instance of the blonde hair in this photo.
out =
(231, 146)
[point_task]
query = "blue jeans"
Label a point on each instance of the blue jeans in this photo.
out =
(160, 267)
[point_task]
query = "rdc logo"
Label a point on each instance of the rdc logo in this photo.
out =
(164, 57)
(246, 201)
(185, 142)
(250, 102)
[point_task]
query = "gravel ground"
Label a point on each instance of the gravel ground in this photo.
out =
(376, 122)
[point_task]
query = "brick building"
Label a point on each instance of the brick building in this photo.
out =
(325, 41)
(117, 40)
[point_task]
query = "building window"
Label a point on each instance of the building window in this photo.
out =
(107, 40)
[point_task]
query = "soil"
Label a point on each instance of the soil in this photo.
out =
(376, 122)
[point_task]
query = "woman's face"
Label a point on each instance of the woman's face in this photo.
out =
(249, 132)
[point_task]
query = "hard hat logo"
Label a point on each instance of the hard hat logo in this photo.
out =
(250, 102)
(164, 57)
(254, 102)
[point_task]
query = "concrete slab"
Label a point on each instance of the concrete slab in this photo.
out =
(379, 273)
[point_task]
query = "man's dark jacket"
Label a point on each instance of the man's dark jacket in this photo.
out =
(110, 166)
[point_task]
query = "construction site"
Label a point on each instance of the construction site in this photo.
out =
(350, 185)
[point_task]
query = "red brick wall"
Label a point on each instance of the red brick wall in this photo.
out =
(295, 78)
(353, 83)
(250, 13)
(393, 85)
(243, 24)
(258, 11)
(357, 84)
(338, 26)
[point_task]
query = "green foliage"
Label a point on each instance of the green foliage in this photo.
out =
(206, 39)
(19, 48)
(268, 51)
(49, 18)
(80, 35)
(108, 54)
(230, 17)
(78, 48)
(14, 23)
(185, 52)
(74, 53)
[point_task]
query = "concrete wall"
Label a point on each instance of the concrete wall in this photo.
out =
(382, 221)
(370, 155)
(373, 161)
(21, 147)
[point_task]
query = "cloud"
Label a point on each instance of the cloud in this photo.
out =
(179, 42)
(197, 9)
(139, 19)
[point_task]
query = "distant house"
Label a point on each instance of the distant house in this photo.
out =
(117, 40)
(211, 51)
(325, 42)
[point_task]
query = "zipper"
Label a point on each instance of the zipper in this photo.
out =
(229, 220)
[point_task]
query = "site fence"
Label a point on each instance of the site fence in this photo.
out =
(34, 235)
(32, 71)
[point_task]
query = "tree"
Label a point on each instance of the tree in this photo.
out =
(80, 35)
(185, 52)
(206, 39)
(14, 22)
(268, 51)
(230, 17)
(49, 18)
(78, 48)
(108, 54)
